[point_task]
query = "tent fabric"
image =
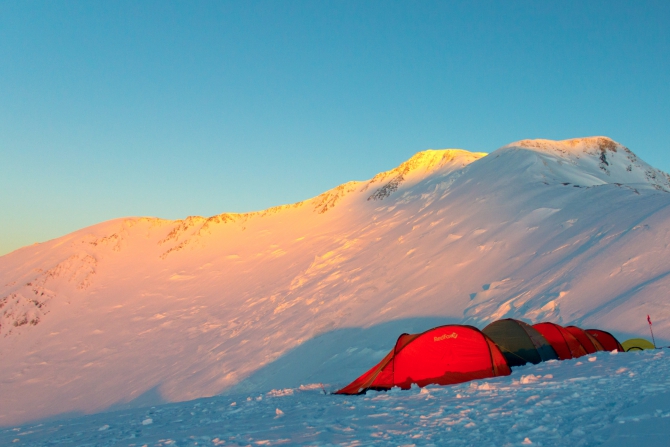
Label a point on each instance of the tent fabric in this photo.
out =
(564, 343)
(588, 342)
(596, 343)
(519, 342)
(443, 355)
(637, 344)
(609, 342)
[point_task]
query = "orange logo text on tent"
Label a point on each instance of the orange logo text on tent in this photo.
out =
(446, 336)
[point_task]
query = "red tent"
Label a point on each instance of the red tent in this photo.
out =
(609, 342)
(444, 355)
(589, 343)
(563, 342)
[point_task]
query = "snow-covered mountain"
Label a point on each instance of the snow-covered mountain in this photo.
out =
(142, 310)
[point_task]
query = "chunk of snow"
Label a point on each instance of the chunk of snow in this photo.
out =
(530, 378)
(280, 393)
(311, 386)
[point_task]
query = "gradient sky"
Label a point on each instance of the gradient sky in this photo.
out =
(170, 109)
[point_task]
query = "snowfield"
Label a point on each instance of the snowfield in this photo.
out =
(140, 312)
(605, 399)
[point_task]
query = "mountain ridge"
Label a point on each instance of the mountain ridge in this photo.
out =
(198, 306)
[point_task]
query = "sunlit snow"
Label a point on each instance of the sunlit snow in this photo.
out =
(137, 312)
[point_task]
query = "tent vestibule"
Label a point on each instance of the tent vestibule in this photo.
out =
(609, 341)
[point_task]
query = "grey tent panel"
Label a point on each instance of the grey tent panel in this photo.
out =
(519, 342)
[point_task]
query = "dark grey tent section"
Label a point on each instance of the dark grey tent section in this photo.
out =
(519, 342)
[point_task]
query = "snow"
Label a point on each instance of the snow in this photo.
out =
(604, 399)
(141, 312)
(599, 160)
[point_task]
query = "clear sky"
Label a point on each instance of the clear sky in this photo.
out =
(169, 109)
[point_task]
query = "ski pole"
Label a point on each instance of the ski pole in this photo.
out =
(652, 332)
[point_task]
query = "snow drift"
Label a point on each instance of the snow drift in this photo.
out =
(139, 311)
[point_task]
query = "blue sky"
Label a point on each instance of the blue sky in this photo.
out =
(170, 109)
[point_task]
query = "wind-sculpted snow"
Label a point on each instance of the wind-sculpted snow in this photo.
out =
(137, 311)
(600, 400)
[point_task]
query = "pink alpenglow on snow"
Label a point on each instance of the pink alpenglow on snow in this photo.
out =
(141, 311)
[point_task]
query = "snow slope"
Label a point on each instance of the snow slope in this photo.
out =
(604, 399)
(142, 311)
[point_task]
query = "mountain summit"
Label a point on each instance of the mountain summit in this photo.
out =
(593, 161)
(137, 311)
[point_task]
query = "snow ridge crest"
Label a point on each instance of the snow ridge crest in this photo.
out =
(592, 161)
(587, 145)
